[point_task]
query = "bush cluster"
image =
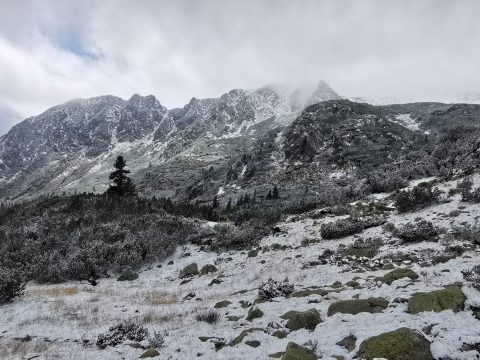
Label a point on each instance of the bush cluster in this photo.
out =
(348, 226)
(385, 181)
(471, 196)
(119, 333)
(419, 197)
(11, 285)
(272, 289)
(209, 316)
(420, 230)
(473, 276)
(463, 186)
(467, 232)
(363, 248)
(87, 237)
(229, 236)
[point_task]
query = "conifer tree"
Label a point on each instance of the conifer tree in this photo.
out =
(215, 202)
(275, 194)
(122, 184)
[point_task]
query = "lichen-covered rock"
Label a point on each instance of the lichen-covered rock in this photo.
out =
(308, 319)
(370, 305)
(297, 352)
(451, 298)
(207, 269)
(190, 270)
(401, 344)
(254, 313)
(397, 274)
(222, 304)
(308, 292)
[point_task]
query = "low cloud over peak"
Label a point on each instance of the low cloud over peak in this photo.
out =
(52, 51)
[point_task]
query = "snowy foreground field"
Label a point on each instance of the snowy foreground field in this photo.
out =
(63, 321)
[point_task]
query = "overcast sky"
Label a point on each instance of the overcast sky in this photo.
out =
(54, 50)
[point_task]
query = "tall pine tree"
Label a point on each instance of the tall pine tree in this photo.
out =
(122, 184)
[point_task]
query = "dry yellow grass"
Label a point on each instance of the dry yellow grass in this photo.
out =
(160, 298)
(54, 292)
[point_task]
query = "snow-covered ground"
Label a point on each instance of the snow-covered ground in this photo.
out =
(64, 320)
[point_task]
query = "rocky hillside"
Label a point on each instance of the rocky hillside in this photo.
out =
(403, 288)
(246, 140)
(71, 146)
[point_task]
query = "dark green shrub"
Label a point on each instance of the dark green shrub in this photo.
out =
(417, 198)
(11, 285)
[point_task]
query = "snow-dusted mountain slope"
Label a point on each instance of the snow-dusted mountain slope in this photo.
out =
(272, 135)
(81, 137)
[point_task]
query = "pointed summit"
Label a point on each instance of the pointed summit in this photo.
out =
(323, 92)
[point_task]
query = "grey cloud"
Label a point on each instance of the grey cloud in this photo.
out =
(408, 50)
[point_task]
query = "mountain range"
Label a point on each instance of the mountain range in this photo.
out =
(243, 140)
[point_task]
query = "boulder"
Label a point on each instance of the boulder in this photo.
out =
(370, 305)
(297, 352)
(207, 269)
(450, 298)
(308, 319)
(397, 274)
(254, 313)
(190, 270)
(401, 344)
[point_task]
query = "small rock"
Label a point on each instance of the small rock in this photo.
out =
(222, 304)
(150, 353)
(189, 296)
(252, 253)
(128, 275)
(215, 282)
(280, 334)
(253, 343)
(348, 343)
(397, 274)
